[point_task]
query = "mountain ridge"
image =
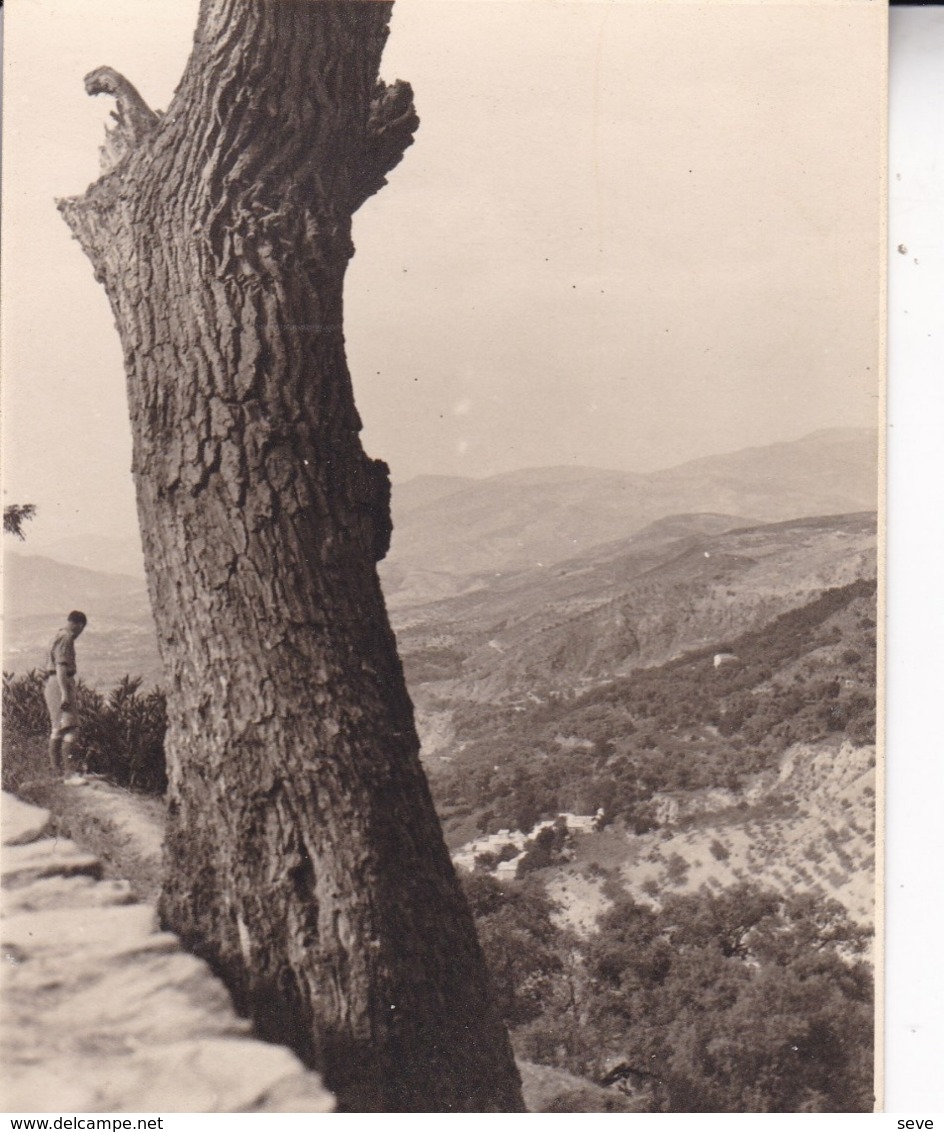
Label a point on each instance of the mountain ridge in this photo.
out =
(827, 471)
(555, 537)
(544, 516)
(627, 604)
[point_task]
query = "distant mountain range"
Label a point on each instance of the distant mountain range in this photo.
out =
(449, 526)
(447, 530)
(37, 584)
(468, 555)
(96, 552)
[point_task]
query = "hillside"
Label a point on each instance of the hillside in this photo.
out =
(103, 553)
(701, 834)
(682, 583)
(760, 770)
(807, 676)
(807, 826)
(34, 584)
(449, 530)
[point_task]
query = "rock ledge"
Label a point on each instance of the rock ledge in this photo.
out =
(103, 1012)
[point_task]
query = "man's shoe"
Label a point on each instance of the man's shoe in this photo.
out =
(75, 780)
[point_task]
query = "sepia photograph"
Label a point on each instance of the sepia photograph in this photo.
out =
(441, 573)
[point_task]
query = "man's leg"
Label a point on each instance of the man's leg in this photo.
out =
(69, 761)
(69, 729)
(53, 699)
(55, 755)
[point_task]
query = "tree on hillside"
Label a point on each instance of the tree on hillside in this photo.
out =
(740, 1002)
(522, 944)
(15, 515)
(304, 859)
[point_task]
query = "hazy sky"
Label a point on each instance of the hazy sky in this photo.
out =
(627, 235)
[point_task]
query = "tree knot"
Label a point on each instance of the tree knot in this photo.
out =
(375, 498)
(390, 128)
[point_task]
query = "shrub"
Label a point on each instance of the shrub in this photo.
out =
(543, 850)
(762, 1009)
(595, 871)
(25, 730)
(522, 945)
(677, 868)
(121, 736)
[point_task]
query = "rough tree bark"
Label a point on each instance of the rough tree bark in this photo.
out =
(304, 859)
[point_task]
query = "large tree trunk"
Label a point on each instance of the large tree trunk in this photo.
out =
(304, 859)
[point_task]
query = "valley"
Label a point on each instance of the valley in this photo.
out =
(549, 679)
(682, 583)
(684, 664)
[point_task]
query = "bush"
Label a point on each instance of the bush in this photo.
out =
(677, 869)
(522, 945)
(25, 730)
(544, 850)
(121, 736)
(738, 1001)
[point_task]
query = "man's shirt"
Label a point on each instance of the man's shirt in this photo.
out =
(62, 651)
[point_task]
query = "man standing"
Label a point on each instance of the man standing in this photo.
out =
(61, 698)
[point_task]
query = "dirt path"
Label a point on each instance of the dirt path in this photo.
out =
(124, 830)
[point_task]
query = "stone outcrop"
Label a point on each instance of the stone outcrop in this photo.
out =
(105, 1012)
